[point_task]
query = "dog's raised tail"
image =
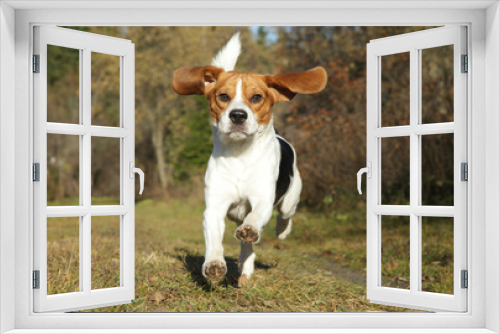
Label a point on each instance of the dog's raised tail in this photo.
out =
(228, 55)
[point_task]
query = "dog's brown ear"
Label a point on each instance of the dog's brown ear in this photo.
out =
(188, 81)
(286, 86)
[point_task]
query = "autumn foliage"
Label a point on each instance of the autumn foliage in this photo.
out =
(328, 130)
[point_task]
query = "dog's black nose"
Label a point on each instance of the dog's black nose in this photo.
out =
(238, 116)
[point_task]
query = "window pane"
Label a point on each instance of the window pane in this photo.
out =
(395, 92)
(105, 252)
(396, 251)
(437, 254)
(63, 170)
(63, 255)
(63, 84)
(437, 84)
(395, 170)
(437, 169)
(105, 78)
(105, 171)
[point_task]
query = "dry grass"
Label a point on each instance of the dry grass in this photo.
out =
(319, 268)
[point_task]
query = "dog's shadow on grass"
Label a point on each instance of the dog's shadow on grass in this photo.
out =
(193, 264)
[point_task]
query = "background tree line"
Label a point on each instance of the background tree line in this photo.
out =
(328, 130)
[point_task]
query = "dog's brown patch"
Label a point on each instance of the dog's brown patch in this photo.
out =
(252, 84)
(213, 81)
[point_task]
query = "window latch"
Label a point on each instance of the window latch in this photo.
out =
(138, 171)
(368, 171)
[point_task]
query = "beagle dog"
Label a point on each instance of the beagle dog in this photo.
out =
(252, 169)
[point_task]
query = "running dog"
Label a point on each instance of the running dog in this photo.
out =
(251, 169)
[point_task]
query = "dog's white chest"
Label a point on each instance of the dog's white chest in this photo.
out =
(240, 175)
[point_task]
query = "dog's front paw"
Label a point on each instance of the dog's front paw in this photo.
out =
(247, 234)
(214, 270)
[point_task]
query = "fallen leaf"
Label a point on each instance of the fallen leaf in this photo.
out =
(160, 310)
(152, 278)
(157, 297)
(243, 302)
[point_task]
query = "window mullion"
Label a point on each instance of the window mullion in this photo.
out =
(85, 236)
(415, 244)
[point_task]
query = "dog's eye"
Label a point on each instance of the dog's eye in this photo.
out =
(223, 97)
(256, 98)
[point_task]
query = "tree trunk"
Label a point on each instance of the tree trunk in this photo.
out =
(157, 140)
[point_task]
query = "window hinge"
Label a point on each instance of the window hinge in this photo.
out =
(36, 172)
(36, 63)
(464, 171)
(36, 279)
(465, 64)
(465, 279)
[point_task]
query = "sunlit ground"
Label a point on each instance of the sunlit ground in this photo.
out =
(319, 268)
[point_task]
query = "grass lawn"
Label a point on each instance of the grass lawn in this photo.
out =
(319, 268)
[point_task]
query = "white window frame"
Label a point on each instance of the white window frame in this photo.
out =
(414, 43)
(85, 43)
(483, 21)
